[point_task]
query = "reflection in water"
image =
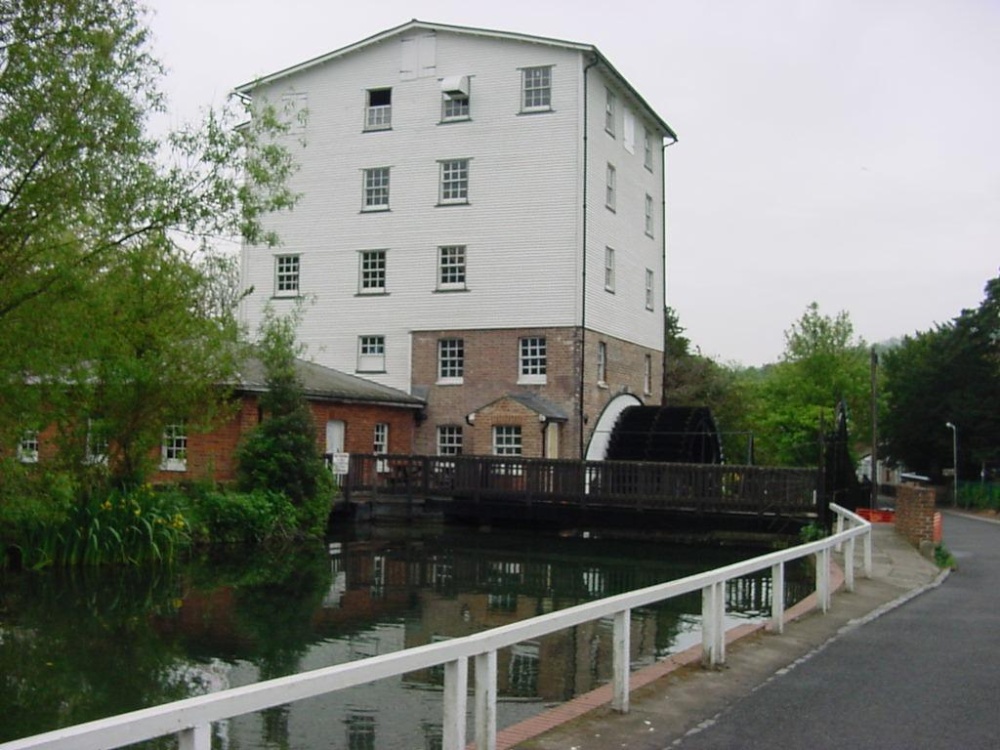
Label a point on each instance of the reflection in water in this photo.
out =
(78, 647)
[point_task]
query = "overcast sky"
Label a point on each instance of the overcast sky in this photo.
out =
(839, 151)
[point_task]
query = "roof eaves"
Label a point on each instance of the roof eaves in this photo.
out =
(246, 88)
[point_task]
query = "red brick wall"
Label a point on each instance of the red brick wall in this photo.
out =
(491, 372)
(915, 513)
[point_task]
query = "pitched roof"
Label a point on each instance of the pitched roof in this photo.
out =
(326, 384)
(246, 88)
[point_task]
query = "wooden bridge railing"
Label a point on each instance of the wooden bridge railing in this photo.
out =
(610, 484)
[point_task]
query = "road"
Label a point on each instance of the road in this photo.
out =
(924, 675)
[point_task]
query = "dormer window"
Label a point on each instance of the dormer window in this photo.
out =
(378, 112)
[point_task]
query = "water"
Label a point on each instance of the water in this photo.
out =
(81, 645)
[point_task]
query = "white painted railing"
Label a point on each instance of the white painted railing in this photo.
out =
(191, 719)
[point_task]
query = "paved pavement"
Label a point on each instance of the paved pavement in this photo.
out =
(911, 659)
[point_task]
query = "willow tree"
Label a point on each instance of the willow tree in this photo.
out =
(103, 226)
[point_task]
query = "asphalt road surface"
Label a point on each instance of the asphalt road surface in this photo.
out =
(924, 675)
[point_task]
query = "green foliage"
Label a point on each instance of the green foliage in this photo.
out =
(117, 528)
(948, 374)
(281, 454)
(811, 532)
(943, 558)
(226, 517)
(106, 310)
(823, 363)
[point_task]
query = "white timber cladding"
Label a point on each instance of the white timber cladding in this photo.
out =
(623, 313)
(521, 226)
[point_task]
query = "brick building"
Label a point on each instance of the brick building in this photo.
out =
(481, 226)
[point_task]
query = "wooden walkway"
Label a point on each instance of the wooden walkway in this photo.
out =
(529, 487)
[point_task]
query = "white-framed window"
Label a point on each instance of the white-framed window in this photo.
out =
(360, 731)
(451, 267)
(294, 112)
(173, 447)
(611, 189)
(649, 214)
(628, 130)
(451, 360)
(602, 363)
(449, 440)
(27, 447)
(647, 375)
(536, 89)
(523, 670)
(610, 111)
(378, 109)
(286, 275)
(609, 269)
(647, 150)
(454, 181)
(455, 101)
(506, 440)
(371, 353)
(376, 189)
(380, 445)
(371, 274)
(532, 360)
(98, 446)
(650, 294)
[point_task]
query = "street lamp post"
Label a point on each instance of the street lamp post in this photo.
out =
(954, 459)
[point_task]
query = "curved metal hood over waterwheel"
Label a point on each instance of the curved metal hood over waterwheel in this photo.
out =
(666, 434)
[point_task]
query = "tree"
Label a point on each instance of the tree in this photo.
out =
(950, 373)
(281, 454)
(104, 306)
(823, 364)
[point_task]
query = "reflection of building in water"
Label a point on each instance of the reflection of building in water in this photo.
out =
(387, 596)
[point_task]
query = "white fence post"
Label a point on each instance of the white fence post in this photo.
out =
(868, 553)
(622, 660)
(823, 579)
(486, 700)
(713, 634)
(456, 687)
(195, 738)
(778, 597)
(849, 565)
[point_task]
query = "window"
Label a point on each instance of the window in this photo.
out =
(451, 267)
(360, 731)
(536, 89)
(378, 109)
(609, 269)
(449, 440)
(649, 289)
(376, 189)
(27, 448)
(647, 158)
(649, 215)
(647, 375)
(506, 440)
(451, 360)
(455, 98)
(294, 112)
(522, 671)
(372, 275)
(380, 446)
(286, 275)
(602, 363)
(371, 354)
(532, 360)
(454, 181)
(610, 192)
(97, 446)
(173, 448)
(610, 111)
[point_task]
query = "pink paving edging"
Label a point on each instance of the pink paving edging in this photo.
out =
(574, 709)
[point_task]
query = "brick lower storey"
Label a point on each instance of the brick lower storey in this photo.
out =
(550, 422)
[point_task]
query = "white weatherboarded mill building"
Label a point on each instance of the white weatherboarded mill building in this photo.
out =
(481, 225)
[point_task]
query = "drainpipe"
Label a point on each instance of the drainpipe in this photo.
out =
(594, 59)
(663, 235)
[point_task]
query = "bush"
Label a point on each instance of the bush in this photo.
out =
(243, 516)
